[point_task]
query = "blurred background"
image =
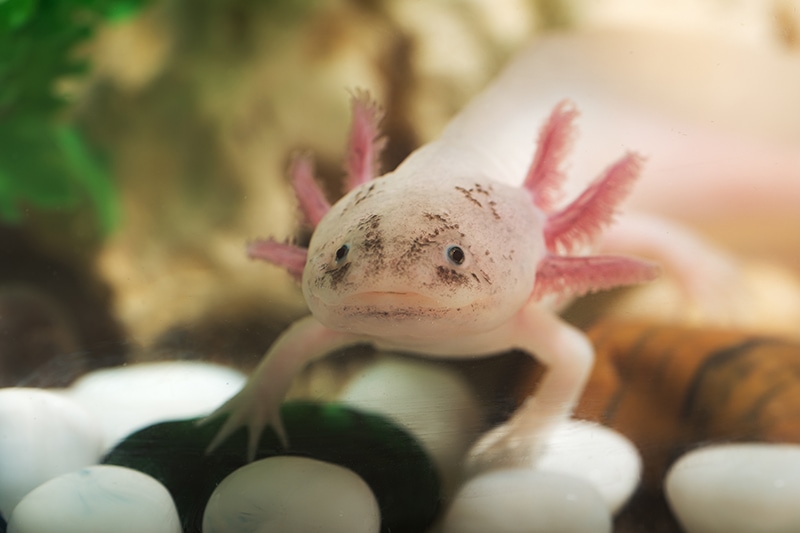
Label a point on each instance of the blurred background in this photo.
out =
(144, 142)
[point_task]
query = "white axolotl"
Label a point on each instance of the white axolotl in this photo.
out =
(448, 256)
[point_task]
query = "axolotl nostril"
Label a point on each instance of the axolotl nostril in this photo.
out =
(446, 257)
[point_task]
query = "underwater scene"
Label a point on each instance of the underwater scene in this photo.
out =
(393, 266)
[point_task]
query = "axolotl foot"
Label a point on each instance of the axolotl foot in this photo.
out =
(507, 446)
(247, 409)
(257, 405)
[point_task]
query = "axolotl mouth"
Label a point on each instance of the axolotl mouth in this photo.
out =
(390, 298)
(390, 304)
(397, 314)
(394, 305)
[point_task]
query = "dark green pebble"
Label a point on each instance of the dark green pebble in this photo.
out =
(387, 457)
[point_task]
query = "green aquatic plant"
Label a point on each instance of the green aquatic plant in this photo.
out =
(45, 162)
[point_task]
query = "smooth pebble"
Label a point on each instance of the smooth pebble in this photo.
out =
(525, 500)
(737, 488)
(431, 401)
(126, 399)
(42, 435)
(601, 456)
(97, 498)
(287, 493)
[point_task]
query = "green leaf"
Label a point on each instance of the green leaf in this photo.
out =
(88, 173)
(42, 163)
(15, 13)
(121, 9)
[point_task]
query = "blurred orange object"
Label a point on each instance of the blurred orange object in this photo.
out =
(670, 388)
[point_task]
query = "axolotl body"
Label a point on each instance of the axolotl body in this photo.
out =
(450, 255)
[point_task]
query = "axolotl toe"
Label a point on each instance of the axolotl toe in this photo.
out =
(446, 257)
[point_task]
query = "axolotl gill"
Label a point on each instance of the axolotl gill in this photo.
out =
(450, 255)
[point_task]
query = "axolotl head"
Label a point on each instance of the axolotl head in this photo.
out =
(414, 258)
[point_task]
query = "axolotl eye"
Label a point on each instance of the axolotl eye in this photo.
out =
(341, 253)
(456, 255)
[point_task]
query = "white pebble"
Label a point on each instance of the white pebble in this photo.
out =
(429, 400)
(737, 488)
(42, 435)
(98, 498)
(600, 455)
(285, 493)
(129, 398)
(527, 501)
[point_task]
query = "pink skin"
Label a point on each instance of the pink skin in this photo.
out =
(291, 257)
(312, 200)
(451, 267)
(365, 144)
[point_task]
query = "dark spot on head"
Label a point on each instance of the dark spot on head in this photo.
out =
(493, 206)
(418, 244)
(336, 276)
(444, 219)
(371, 222)
(468, 195)
(480, 190)
(451, 277)
(371, 248)
(373, 243)
(436, 216)
(363, 194)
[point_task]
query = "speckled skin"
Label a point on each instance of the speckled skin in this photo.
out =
(397, 282)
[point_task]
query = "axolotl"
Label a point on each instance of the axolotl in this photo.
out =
(450, 256)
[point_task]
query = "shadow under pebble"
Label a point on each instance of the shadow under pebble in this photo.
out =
(646, 512)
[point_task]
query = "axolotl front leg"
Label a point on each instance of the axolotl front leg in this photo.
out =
(565, 351)
(568, 356)
(257, 405)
